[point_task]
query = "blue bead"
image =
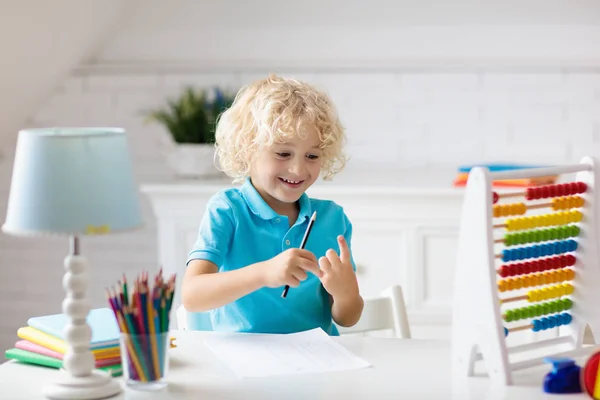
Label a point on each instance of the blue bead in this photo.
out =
(545, 249)
(505, 331)
(544, 322)
(573, 244)
(537, 251)
(537, 325)
(552, 322)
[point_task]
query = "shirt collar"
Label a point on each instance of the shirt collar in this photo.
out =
(260, 207)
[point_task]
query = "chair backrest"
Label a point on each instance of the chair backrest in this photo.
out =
(386, 312)
(182, 322)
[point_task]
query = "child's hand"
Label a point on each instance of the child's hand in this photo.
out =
(289, 268)
(339, 278)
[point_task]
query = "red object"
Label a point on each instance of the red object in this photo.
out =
(540, 265)
(589, 373)
(562, 189)
(496, 197)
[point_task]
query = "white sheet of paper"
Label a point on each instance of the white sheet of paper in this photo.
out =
(260, 355)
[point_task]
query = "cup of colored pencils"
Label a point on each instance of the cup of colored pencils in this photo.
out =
(143, 316)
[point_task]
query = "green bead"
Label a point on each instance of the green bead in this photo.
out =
(568, 303)
(539, 310)
(576, 230)
(508, 316)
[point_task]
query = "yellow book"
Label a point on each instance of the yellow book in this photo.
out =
(60, 346)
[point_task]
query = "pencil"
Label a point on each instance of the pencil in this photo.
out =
(142, 312)
(302, 245)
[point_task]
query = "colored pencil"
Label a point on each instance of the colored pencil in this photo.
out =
(144, 313)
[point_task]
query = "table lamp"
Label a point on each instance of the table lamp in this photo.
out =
(73, 182)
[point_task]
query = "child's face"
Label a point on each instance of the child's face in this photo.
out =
(284, 171)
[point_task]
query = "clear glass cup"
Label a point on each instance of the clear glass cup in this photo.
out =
(145, 360)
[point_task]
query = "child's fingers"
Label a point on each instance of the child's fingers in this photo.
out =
(344, 250)
(333, 258)
(309, 255)
(325, 265)
(310, 266)
(299, 274)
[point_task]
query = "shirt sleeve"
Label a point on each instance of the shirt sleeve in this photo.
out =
(215, 233)
(348, 237)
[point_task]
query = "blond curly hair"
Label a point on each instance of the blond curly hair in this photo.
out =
(269, 111)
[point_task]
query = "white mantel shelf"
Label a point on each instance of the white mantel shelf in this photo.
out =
(425, 181)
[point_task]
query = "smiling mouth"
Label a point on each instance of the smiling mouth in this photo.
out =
(290, 182)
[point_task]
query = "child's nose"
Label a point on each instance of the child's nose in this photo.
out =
(297, 168)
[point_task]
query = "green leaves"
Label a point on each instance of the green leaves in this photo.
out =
(191, 118)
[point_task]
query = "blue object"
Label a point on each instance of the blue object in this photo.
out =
(239, 229)
(72, 181)
(564, 377)
(102, 321)
(495, 167)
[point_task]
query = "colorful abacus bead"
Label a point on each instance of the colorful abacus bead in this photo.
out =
(564, 189)
(567, 202)
(539, 250)
(536, 279)
(541, 235)
(544, 220)
(504, 210)
(549, 292)
(538, 310)
(545, 264)
(551, 322)
(495, 197)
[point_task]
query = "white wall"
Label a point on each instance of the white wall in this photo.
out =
(501, 83)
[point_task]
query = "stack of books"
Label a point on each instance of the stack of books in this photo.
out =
(42, 341)
(463, 175)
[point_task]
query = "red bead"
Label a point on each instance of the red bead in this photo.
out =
(517, 269)
(496, 197)
(503, 271)
(581, 187)
(541, 265)
(572, 188)
(553, 191)
(570, 259)
(563, 189)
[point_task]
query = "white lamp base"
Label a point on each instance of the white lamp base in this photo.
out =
(79, 379)
(98, 385)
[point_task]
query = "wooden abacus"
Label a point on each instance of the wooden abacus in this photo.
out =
(558, 284)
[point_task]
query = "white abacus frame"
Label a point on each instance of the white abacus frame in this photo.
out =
(477, 325)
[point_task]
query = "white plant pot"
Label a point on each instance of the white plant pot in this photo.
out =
(193, 160)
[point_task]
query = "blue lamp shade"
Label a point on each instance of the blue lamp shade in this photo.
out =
(72, 181)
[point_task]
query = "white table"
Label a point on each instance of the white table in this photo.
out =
(402, 368)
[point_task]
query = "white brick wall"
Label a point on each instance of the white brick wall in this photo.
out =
(410, 117)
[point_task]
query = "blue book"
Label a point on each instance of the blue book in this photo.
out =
(102, 321)
(495, 167)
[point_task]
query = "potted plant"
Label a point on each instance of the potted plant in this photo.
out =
(190, 121)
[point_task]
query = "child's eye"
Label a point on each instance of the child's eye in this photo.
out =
(283, 155)
(313, 157)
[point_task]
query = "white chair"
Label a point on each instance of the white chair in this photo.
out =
(386, 312)
(182, 322)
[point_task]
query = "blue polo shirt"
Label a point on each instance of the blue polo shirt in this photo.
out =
(239, 229)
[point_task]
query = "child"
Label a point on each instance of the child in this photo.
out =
(276, 139)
